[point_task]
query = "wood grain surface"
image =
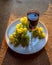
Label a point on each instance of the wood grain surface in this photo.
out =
(44, 57)
(4, 46)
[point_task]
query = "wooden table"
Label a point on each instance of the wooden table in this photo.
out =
(44, 57)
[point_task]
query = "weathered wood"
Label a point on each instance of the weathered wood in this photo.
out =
(4, 46)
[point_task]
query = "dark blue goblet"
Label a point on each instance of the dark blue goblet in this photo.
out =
(33, 18)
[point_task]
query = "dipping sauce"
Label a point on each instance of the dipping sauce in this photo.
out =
(33, 18)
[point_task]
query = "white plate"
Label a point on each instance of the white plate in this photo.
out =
(33, 47)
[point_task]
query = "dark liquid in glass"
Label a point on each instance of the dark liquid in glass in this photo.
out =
(33, 18)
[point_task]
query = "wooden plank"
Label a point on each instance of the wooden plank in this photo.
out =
(4, 46)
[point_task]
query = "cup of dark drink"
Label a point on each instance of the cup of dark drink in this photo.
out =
(33, 18)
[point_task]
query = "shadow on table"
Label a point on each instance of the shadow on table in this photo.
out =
(39, 58)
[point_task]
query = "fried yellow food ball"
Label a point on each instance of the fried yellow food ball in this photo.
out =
(21, 30)
(40, 28)
(24, 30)
(16, 42)
(24, 20)
(38, 32)
(42, 35)
(14, 34)
(19, 25)
(25, 40)
(34, 33)
(12, 39)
